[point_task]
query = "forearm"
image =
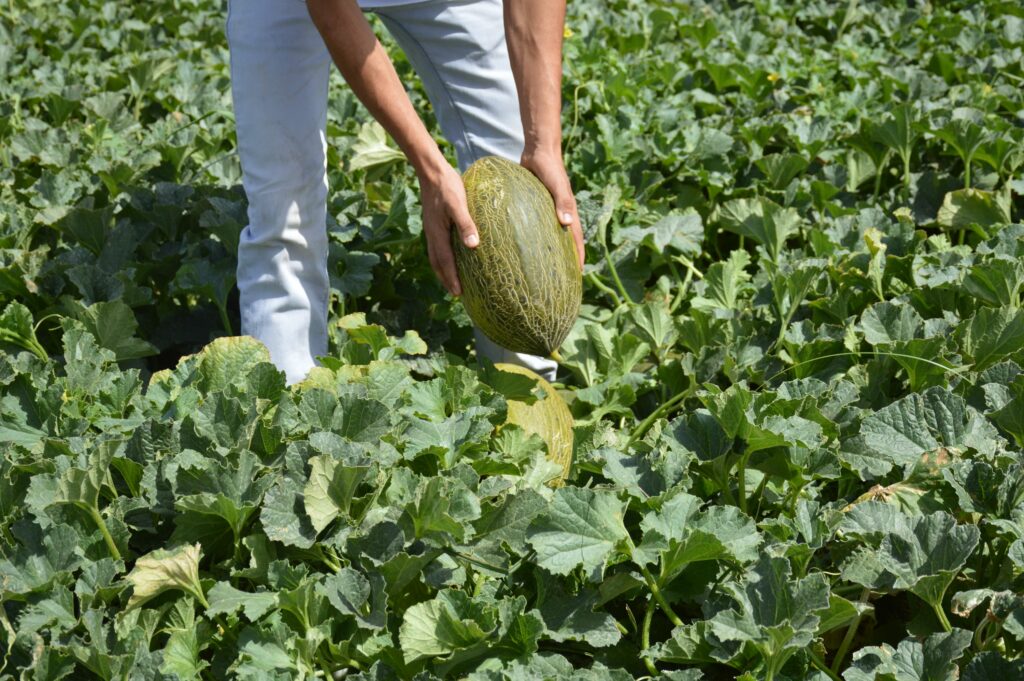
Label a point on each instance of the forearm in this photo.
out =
(369, 72)
(533, 31)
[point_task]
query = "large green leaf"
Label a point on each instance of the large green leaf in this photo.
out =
(991, 335)
(779, 615)
(164, 569)
(922, 554)
(680, 534)
(582, 527)
(912, 660)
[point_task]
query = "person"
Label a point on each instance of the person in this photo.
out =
(492, 72)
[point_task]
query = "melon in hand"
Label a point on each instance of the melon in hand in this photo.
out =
(522, 285)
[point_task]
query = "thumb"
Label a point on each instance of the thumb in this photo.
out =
(466, 227)
(565, 207)
(569, 218)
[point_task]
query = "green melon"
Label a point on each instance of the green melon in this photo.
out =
(548, 418)
(522, 284)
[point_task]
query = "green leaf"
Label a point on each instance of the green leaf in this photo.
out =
(228, 489)
(762, 220)
(841, 613)
(17, 330)
(283, 516)
(1011, 416)
(371, 148)
(781, 169)
(582, 527)
(890, 322)
(921, 423)
(776, 613)
(353, 594)
(655, 325)
(922, 554)
(226, 599)
(682, 231)
(992, 335)
(933, 660)
(39, 559)
(724, 284)
(114, 326)
(991, 665)
(186, 641)
(330, 489)
(164, 569)
(228, 361)
(965, 207)
(572, 618)
(444, 625)
(899, 130)
(997, 282)
(351, 272)
(680, 534)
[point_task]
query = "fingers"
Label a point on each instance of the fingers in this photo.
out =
(464, 223)
(577, 236)
(568, 216)
(442, 260)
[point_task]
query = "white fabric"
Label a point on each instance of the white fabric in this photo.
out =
(375, 4)
(279, 72)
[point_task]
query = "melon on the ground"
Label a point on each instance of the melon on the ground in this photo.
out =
(522, 285)
(548, 418)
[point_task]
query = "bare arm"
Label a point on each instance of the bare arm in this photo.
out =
(369, 72)
(533, 31)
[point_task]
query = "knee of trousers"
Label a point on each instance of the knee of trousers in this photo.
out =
(289, 217)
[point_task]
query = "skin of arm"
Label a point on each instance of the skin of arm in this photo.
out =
(533, 31)
(367, 69)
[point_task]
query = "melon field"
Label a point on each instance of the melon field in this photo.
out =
(796, 380)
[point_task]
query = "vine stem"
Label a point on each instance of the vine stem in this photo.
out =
(615, 277)
(604, 288)
(819, 664)
(652, 584)
(688, 264)
(741, 481)
(29, 344)
(851, 630)
(681, 293)
(646, 424)
(943, 620)
(111, 546)
(645, 638)
(198, 593)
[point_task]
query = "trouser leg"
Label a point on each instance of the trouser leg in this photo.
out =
(458, 50)
(279, 72)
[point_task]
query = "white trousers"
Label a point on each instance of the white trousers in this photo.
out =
(279, 72)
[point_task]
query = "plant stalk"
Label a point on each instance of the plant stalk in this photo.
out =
(851, 631)
(646, 424)
(943, 620)
(652, 584)
(604, 288)
(645, 638)
(111, 546)
(820, 665)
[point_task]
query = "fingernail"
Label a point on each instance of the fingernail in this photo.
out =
(567, 217)
(472, 240)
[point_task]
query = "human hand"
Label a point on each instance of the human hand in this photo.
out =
(550, 170)
(443, 197)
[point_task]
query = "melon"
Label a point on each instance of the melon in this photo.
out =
(521, 285)
(548, 418)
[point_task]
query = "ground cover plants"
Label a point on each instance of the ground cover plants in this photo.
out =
(796, 378)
